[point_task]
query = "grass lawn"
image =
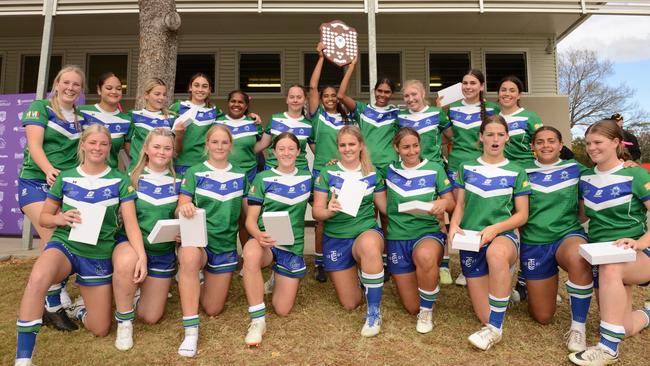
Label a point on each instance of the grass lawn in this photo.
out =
(317, 332)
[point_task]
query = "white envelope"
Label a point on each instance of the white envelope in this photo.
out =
(92, 217)
(187, 117)
(278, 226)
(471, 241)
(605, 253)
(415, 207)
(194, 231)
(451, 94)
(164, 231)
(351, 194)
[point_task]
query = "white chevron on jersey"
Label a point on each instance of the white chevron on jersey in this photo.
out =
(333, 121)
(353, 175)
(605, 191)
(489, 176)
(516, 124)
(569, 175)
(412, 175)
(293, 126)
(64, 131)
(421, 122)
(164, 186)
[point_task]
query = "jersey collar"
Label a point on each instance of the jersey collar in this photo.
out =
(158, 174)
(276, 171)
(214, 169)
(548, 165)
(117, 111)
(613, 170)
(414, 167)
(86, 175)
(497, 165)
(513, 113)
(358, 169)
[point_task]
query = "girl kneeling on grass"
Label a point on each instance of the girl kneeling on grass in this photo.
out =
(91, 183)
(616, 200)
(218, 188)
(488, 190)
(552, 237)
(285, 188)
(157, 187)
(351, 241)
(415, 243)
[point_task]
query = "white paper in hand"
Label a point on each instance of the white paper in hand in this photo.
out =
(605, 253)
(194, 231)
(351, 194)
(164, 231)
(415, 207)
(187, 117)
(278, 226)
(451, 94)
(92, 217)
(471, 241)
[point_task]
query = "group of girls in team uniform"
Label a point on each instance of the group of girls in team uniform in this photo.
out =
(503, 178)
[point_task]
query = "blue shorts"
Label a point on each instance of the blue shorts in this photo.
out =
(337, 252)
(474, 264)
(537, 262)
(31, 190)
(222, 262)
(594, 271)
(288, 264)
(180, 170)
(90, 272)
(161, 266)
(400, 252)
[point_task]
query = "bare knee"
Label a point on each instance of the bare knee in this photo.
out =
(123, 265)
(150, 317)
(213, 309)
(100, 330)
(426, 260)
(542, 317)
(412, 308)
(350, 304)
(609, 272)
(282, 310)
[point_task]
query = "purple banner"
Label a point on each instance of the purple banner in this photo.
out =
(12, 143)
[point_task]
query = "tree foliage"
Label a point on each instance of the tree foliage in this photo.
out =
(583, 76)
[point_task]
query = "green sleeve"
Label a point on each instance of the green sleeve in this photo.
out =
(443, 122)
(641, 184)
(129, 135)
(56, 191)
(176, 107)
(522, 186)
(322, 181)
(380, 186)
(460, 181)
(534, 123)
(256, 191)
(36, 114)
(188, 184)
(127, 192)
(443, 185)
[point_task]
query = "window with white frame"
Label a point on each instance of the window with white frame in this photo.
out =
(29, 72)
(260, 72)
(447, 68)
(501, 64)
(389, 65)
(99, 64)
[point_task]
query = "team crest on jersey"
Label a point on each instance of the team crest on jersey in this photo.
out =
(33, 115)
(130, 189)
(524, 184)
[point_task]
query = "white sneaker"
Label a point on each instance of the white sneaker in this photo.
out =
(66, 301)
(445, 276)
(575, 340)
(514, 296)
(593, 356)
(23, 362)
(189, 346)
(124, 338)
(269, 285)
(461, 280)
(372, 326)
(256, 330)
(485, 338)
(425, 321)
(73, 310)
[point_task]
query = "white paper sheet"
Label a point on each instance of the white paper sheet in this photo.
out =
(92, 217)
(278, 226)
(194, 231)
(605, 253)
(415, 207)
(351, 195)
(451, 94)
(471, 241)
(164, 231)
(187, 117)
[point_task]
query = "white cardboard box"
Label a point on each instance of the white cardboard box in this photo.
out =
(164, 231)
(278, 226)
(194, 231)
(92, 217)
(471, 241)
(606, 252)
(187, 117)
(351, 195)
(415, 207)
(451, 94)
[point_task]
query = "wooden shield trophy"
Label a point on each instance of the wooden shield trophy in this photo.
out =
(340, 42)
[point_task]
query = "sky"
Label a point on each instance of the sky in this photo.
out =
(625, 40)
